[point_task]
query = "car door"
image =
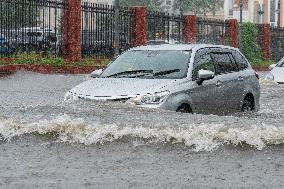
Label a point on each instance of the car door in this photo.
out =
(227, 76)
(203, 96)
(244, 76)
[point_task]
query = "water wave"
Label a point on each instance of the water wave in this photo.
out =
(202, 137)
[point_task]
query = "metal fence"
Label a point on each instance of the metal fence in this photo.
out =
(211, 31)
(165, 27)
(30, 25)
(277, 43)
(98, 34)
(35, 25)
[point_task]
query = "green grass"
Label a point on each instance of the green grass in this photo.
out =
(34, 58)
(263, 63)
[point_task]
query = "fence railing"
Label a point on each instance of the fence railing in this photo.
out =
(98, 29)
(166, 27)
(277, 43)
(211, 31)
(37, 25)
(30, 25)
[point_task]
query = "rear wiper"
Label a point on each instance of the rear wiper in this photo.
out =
(166, 72)
(130, 72)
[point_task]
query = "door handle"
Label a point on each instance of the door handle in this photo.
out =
(241, 78)
(219, 84)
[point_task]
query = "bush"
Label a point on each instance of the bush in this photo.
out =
(26, 58)
(49, 59)
(52, 61)
(250, 46)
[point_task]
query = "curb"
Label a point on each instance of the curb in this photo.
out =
(47, 69)
(261, 69)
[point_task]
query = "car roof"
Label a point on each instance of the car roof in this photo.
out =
(181, 47)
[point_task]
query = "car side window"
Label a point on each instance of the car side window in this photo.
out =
(240, 60)
(224, 63)
(203, 62)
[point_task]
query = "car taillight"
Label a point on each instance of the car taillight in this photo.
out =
(256, 75)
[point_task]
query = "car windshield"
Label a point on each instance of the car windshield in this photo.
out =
(166, 64)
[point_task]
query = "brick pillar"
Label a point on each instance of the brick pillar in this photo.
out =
(264, 39)
(139, 26)
(71, 31)
(189, 30)
(232, 32)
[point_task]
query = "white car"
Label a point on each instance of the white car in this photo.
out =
(277, 72)
(185, 78)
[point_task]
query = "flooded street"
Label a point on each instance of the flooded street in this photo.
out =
(49, 143)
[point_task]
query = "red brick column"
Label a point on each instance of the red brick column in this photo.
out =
(189, 30)
(71, 31)
(139, 26)
(264, 39)
(232, 32)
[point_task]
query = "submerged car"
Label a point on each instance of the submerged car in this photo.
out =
(192, 78)
(276, 72)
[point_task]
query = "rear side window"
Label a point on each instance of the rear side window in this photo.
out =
(224, 63)
(240, 60)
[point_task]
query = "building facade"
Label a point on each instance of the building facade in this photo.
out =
(257, 11)
(106, 2)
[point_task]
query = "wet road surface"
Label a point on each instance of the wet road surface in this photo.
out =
(49, 143)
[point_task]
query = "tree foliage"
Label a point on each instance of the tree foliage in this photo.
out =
(151, 4)
(199, 7)
(250, 46)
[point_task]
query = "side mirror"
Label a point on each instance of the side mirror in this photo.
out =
(96, 73)
(204, 75)
(272, 66)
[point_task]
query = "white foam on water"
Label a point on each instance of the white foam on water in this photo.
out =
(264, 82)
(203, 137)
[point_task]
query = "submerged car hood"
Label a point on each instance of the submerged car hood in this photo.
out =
(278, 73)
(115, 88)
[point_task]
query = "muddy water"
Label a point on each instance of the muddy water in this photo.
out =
(49, 143)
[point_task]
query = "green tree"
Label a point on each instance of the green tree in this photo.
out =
(151, 4)
(199, 7)
(250, 46)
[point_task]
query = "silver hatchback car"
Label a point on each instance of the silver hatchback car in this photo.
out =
(192, 78)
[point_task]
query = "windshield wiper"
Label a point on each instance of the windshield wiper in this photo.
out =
(166, 72)
(130, 72)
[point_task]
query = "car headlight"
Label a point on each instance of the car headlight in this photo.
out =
(269, 77)
(155, 98)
